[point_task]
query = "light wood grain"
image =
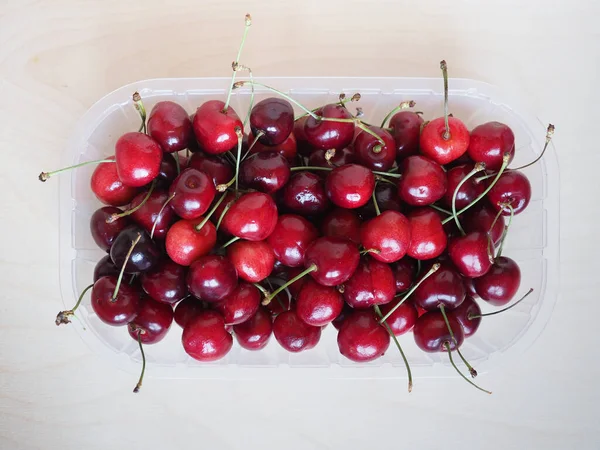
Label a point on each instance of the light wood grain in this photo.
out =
(58, 57)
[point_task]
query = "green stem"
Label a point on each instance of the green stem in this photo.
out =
(162, 208)
(264, 291)
(240, 137)
(472, 371)
(230, 241)
(251, 146)
(270, 297)
(247, 23)
(442, 210)
(287, 97)
(211, 212)
(118, 285)
(251, 105)
(444, 68)
(459, 372)
(471, 317)
(387, 174)
(113, 217)
(549, 134)
(177, 164)
(45, 175)
(377, 210)
(400, 107)
(137, 387)
(139, 106)
(63, 316)
(296, 168)
(505, 232)
(229, 205)
(478, 168)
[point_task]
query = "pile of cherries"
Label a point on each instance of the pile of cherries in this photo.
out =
(301, 222)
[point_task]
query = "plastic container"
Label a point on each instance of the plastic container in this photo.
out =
(533, 241)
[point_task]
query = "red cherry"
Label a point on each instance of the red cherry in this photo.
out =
(468, 192)
(186, 310)
(274, 117)
(215, 129)
(406, 130)
(370, 152)
(361, 338)
(305, 194)
(341, 157)
(266, 172)
(138, 158)
(252, 217)
(489, 142)
(303, 147)
(287, 149)
(441, 150)
(405, 272)
(322, 134)
(290, 239)
(339, 320)
(255, 332)
(423, 181)
(280, 303)
(431, 333)
(404, 317)
(443, 287)
(167, 171)
(240, 305)
(108, 187)
(185, 244)
(104, 233)
(214, 166)
(193, 193)
(371, 284)
(120, 311)
(342, 223)
(105, 267)
(335, 260)
(428, 239)
(147, 215)
(471, 254)
(500, 284)
(166, 283)
(480, 218)
(253, 260)
(204, 337)
(388, 234)
(144, 256)
(170, 126)
(293, 334)
(513, 188)
(350, 186)
(467, 308)
(153, 320)
(318, 305)
(211, 278)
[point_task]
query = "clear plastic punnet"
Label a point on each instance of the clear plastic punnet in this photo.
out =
(533, 240)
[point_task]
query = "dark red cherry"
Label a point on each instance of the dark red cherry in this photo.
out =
(434, 144)
(240, 305)
(255, 332)
(322, 134)
(274, 117)
(423, 181)
(165, 283)
(187, 309)
(266, 172)
(428, 239)
(293, 334)
(468, 282)
(471, 254)
(404, 317)
(335, 259)
(303, 147)
(480, 218)
(119, 312)
(253, 260)
(105, 267)
(144, 256)
(167, 171)
(512, 188)
(108, 187)
(387, 198)
(152, 321)
(467, 308)
(443, 287)
(211, 278)
(342, 223)
(406, 130)
(468, 192)
(214, 166)
(103, 232)
(185, 244)
(405, 272)
(138, 158)
(319, 158)
(193, 193)
(489, 142)
(170, 126)
(500, 284)
(305, 194)
(370, 152)
(350, 186)
(252, 217)
(287, 149)
(205, 338)
(147, 216)
(361, 338)
(290, 239)
(431, 333)
(388, 235)
(215, 128)
(318, 305)
(371, 284)
(339, 320)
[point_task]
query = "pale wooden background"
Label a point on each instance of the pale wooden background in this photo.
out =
(59, 56)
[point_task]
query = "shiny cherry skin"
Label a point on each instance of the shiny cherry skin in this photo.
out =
(403, 319)
(340, 157)
(480, 218)
(433, 144)
(468, 192)
(388, 234)
(105, 267)
(427, 236)
(254, 333)
(318, 305)
(290, 239)
(405, 272)
(431, 333)
(513, 188)
(371, 284)
(138, 158)
(293, 334)
(371, 153)
(205, 338)
(252, 217)
(104, 233)
(214, 166)
(211, 278)
(500, 284)
(288, 148)
(305, 194)
(470, 254)
(185, 244)
(187, 309)
(120, 312)
(152, 321)
(423, 181)
(240, 305)
(335, 259)
(108, 187)
(443, 287)
(253, 260)
(215, 128)
(167, 171)
(275, 118)
(145, 254)
(406, 130)
(387, 198)
(266, 172)
(324, 135)
(148, 214)
(489, 142)
(165, 283)
(342, 223)
(361, 338)
(170, 126)
(462, 314)
(350, 186)
(193, 193)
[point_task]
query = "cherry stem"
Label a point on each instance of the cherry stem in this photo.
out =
(177, 165)
(270, 297)
(472, 371)
(229, 205)
(114, 217)
(385, 180)
(162, 208)
(251, 146)
(505, 159)
(370, 250)
(45, 175)
(476, 316)
(247, 23)
(211, 212)
(478, 168)
(137, 387)
(63, 316)
(230, 241)
(505, 232)
(139, 106)
(447, 345)
(287, 97)
(444, 68)
(118, 285)
(440, 209)
(549, 134)
(240, 137)
(393, 336)
(400, 107)
(377, 210)
(294, 169)
(251, 105)
(498, 214)
(387, 174)
(366, 129)
(405, 296)
(264, 291)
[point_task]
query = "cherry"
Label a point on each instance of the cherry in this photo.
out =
(138, 158)
(187, 309)
(214, 166)
(165, 283)
(350, 186)
(377, 154)
(423, 181)
(469, 190)
(511, 193)
(342, 223)
(120, 311)
(252, 217)
(428, 239)
(405, 272)
(386, 195)
(404, 317)
(105, 267)
(469, 288)
(215, 127)
(193, 193)
(471, 254)
(185, 243)
(361, 338)
(431, 333)
(255, 332)
(489, 142)
(204, 337)
(339, 320)
(333, 260)
(152, 321)
(444, 287)
(170, 126)
(151, 215)
(253, 260)
(104, 233)
(240, 305)
(290, 239)
(144, 255)
(387, 236)
(481, 218)
(167, 171)
(266, 172)
(406, 130)
(331, 157)
(318, 305)
(274, 119)
(211, 278)
(325, 134)
(463, 315)
(293, 334)
(305, 194)
(371, 284)
(500, 284)
(108, 187)
(303, 147)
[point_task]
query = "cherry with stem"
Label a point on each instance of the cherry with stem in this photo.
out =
(400, 107)
(281, 288)
(478, 168)
(471, 317)
(472, 371)
(120, 278)
(63, 317)
(115, 216)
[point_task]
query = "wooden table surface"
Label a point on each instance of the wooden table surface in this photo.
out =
(57, 57)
